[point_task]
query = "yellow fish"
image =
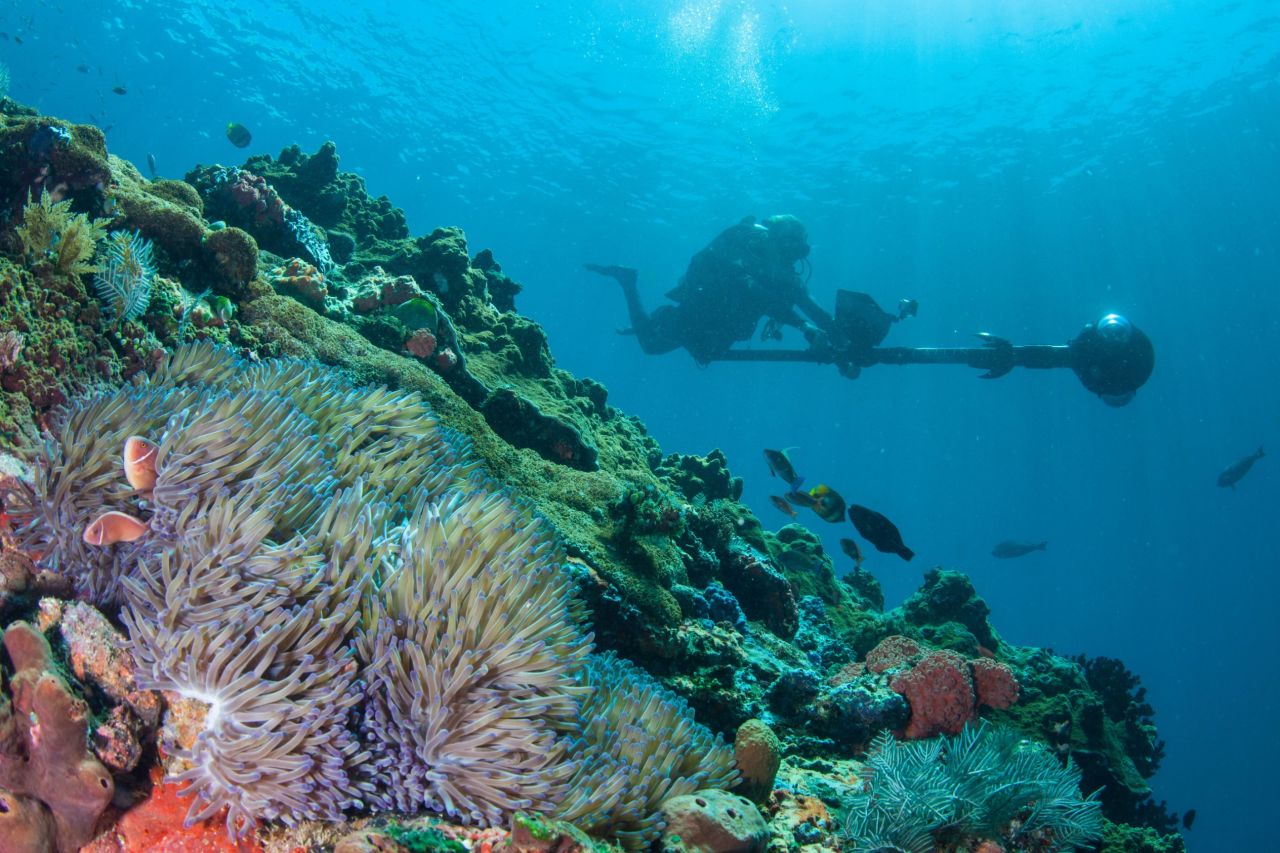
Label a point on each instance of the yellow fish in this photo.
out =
(827, 503)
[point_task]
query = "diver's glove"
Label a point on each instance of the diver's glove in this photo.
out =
(819, 341)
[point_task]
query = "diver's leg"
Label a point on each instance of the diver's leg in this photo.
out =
(625, 276)
(659, 333)
(652, 331)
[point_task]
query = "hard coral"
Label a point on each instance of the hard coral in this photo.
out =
(763, 591)
(43, 752)
(939, 690)
(39, 153)
(302, 281)
(994, 683)
(248, 201)
(892, 652)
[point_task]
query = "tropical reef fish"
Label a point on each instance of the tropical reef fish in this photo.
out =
(112, 527)
(781, 504)
(1236, 472)
(238, 135)
(853, 551)
(1009, 549)
(140, 462)
(780, 466)
(827, 503)
(803, 499)
(1188, 818)
(120, 90)
(879, 531)
(151, 164)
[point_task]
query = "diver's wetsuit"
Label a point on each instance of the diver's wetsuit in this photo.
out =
(727, 288)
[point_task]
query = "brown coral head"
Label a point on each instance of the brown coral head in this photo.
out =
(140, 462)
(112, 527)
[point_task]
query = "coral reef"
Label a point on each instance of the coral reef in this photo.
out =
(696, 476)
(278, 563)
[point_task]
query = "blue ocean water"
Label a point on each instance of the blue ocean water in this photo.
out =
(1017, 168)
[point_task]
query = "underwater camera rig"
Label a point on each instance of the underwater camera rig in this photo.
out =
(1112, 357)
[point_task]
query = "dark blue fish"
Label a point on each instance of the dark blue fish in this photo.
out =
(1009, 549)
(1188, 818)
(879, 531)
(1236, 472)
(238, 135)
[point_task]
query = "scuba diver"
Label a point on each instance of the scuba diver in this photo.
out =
(746, 273)
(749, 272)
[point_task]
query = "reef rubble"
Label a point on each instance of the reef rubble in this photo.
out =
(288, 264)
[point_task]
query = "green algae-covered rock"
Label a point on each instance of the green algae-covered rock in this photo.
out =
(336, 201)
(808, 568)
(1123, 838)
(42, 153)
(704, 478)
(950, 597)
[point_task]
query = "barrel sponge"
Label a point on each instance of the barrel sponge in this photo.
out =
(470, 649)
(638, 745)
(759, 755)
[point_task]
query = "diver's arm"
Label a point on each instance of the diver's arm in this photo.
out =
(816, 312)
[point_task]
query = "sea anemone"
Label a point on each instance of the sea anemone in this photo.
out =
(638, 746)
(252, 637)
(294, 433)
(343, 612)
(470, 654)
